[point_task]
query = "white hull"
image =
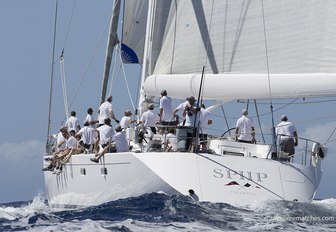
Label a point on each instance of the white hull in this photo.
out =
(237, 180)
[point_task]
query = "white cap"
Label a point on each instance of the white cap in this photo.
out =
(283, 117)
(244, 112)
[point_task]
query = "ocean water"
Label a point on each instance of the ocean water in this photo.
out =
(159, 212)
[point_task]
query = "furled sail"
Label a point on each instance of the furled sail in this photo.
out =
(251, 49)
(134, 29)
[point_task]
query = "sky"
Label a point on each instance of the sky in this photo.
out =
(26, 42)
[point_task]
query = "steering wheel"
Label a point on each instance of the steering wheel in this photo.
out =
(228, 131)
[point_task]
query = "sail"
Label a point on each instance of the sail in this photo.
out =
(134, 29)
(283, 48)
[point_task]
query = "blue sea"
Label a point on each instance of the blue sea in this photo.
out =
(159, 212)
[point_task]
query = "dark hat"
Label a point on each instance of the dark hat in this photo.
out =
(284, 117)
(128, 112)
(118, 128)
(109, 98)
(191, 98)
(151, 106)
(164, 92)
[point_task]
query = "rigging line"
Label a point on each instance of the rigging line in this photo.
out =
(52, 76)
(197, 112)
(89, 63)
(256, 108)
(64, 90)
(332, 133)
(268, 77)
(329, 141)
(225, 118)
(174, 40)
(124, 74)
(266, 51)
(279, 108)
(315, 119)
(292, 102)
(70, 21)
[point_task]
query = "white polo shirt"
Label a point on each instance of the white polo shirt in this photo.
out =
(245, 125)
(166, 104)
(105, 133)
(105, 110)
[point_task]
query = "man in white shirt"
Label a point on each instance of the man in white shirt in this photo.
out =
(71, 147)
(126, 120)
(73, 123)
(106, 111)
(166, 111)
(171, 140)
(89, 118)
(204, 119)
(190, 112)
(61, 141)
(87, 136)
(245, 132)
(150, 118)
(287, 136)
(106, 132)
(120, 140)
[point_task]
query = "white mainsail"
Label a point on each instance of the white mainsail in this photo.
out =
(281, 45)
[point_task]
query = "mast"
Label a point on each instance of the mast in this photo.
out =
(112, 41)
(48, 149)
(144, 73)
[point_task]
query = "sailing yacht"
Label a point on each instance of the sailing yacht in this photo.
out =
(218, 51)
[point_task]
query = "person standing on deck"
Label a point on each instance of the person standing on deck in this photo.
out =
(150, 118)
(126, 120)
(287, 136)
(73, 123)
(106, 111)
(89, 118)
(166, 111)
(245, 132)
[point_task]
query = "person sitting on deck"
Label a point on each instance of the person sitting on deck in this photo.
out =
(59, 156)
(119, 144)
(87, 134)
(171, 140)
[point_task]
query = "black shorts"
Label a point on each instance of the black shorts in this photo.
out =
(203, 138)
(168, 124)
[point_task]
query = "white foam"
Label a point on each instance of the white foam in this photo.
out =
(12, 213)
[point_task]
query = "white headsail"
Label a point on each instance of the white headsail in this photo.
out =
(134, 30)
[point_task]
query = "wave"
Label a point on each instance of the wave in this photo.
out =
(159, 212)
